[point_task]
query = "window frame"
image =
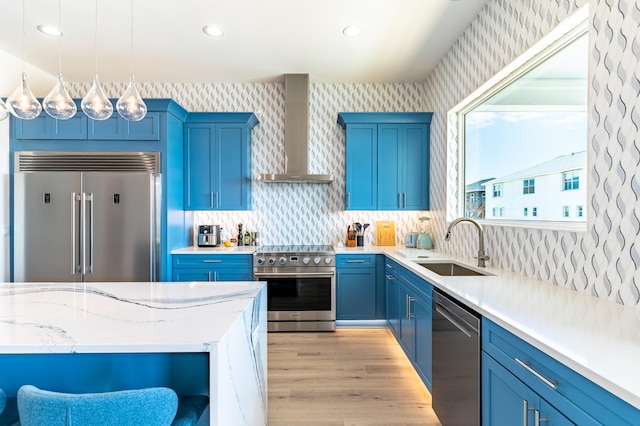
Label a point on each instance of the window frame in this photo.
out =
(567, 31)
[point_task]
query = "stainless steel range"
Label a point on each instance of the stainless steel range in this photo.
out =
(301, 286)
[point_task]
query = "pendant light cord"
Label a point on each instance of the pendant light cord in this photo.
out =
(95, 37)
(60, 37)
(131, 37)
(24, 68)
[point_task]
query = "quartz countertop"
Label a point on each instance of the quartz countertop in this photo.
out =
(216, 250)
(119, 317)
(597, 338)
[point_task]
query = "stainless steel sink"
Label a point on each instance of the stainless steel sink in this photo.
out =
(451, 269)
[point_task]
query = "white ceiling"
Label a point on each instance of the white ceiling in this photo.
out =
(401, 40)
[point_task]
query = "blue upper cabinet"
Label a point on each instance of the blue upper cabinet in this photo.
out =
(217, 149)
(117, 128)
(387, 160)
(362, 166)
(45, 127)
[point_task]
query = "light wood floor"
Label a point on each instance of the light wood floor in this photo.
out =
(347, 378)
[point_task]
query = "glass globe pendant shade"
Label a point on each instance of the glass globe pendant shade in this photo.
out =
(3, 110)
(22, 103)
(131, 106)
(58, 104)
(96, 105)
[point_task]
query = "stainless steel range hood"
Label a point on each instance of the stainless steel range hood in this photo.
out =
(296, 134)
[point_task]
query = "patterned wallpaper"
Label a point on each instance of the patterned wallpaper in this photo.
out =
(603, 262)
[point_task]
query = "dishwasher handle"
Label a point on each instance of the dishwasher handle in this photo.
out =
(450, 317)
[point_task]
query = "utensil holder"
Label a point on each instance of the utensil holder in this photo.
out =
(351, 239)
(360, 240)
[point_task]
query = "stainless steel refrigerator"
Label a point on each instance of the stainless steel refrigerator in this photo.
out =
(85, 217)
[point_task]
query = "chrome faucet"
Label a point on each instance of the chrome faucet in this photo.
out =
(482, 257)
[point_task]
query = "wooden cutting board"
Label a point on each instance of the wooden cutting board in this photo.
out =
(385, 233)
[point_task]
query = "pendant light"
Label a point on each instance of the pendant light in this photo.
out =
(96, 105)
(131, 106)
(58, 104)
(21, 103)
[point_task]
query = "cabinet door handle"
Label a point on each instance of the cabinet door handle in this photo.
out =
(211, 200)
(527, 366)
(217, 203)
(404, 198)
(355, 261)
(409, 300)
(211, 261)
(399, 200)
(537, 419)
(348, 200)
(525, 412)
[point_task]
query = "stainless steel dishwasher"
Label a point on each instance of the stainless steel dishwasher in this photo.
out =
(456, 362)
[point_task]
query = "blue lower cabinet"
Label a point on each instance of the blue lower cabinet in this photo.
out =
(518, 378)
(409, 316)
(209, 267)
(356, 287)
(423, 339)
(506, 401)
(393, 303)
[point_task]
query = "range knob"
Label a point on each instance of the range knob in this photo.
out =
(272, 261)
(283, 260)
(260, 260)
(306, 260)
(317, 260)
(327, 260)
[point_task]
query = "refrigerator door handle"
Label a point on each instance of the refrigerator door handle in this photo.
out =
(86, 238)
(91, 233)
(74, 265)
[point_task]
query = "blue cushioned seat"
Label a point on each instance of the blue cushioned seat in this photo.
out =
(151, 406)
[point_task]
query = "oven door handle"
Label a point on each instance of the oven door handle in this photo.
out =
(295, 274)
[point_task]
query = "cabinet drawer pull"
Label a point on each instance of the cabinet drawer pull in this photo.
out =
(390, 277)
(527, 366)
(211, 261)
(389, 266)
(356, 261)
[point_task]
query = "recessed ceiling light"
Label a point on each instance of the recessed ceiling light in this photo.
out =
(213, 31)
(351, 31)
(49, 30)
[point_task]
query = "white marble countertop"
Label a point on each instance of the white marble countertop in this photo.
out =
(119, 317)
(215, 250)
(597, 338)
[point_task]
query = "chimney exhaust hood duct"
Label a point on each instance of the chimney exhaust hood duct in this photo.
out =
(296, 134)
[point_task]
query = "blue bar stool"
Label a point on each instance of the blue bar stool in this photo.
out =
(150, 406)
(8, 410)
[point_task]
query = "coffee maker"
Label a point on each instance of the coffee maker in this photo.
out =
(208, 235)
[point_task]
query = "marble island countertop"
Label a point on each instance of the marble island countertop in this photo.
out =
(598, 338)
(117, 317)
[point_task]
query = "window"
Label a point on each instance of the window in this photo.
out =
(528, 125)
(526, 211)
(578, 211)
(529, 186)
(497, 190)
(571, 180)
(565, 211)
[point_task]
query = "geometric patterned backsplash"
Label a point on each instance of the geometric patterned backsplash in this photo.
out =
(285, 213)
(603, 262)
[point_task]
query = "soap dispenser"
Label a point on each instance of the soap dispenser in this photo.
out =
(424, 239)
